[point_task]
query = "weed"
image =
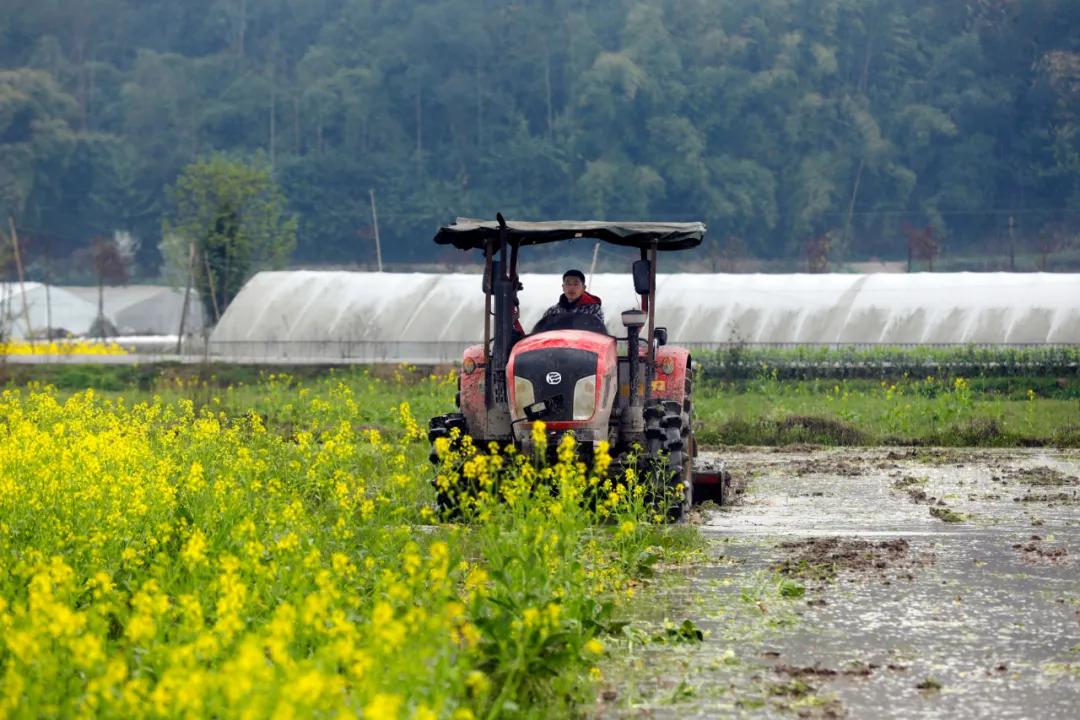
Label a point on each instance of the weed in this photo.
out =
(791, 589)
(685, 632)
(947, 514)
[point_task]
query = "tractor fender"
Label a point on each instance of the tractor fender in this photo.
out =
(671, 385)
(473, 406)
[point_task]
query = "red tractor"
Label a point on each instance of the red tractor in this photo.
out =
(633, 392)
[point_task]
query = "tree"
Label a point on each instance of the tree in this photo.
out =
(725, 256)
(36, 140)
(922, 244)
(1053, 237)
(233, 213)
(773, 121)
(816, 252)
(111, 258)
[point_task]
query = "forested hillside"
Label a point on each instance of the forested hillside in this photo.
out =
(775, 121)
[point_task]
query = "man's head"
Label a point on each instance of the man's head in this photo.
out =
(573, 284)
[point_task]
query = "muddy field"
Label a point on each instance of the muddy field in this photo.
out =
(869, 583)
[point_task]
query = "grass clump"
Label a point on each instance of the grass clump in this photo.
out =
(946, 514)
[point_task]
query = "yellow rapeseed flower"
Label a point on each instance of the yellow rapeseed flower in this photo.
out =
(194, 552)
(384, 706)
(423, 712)
(478, 683)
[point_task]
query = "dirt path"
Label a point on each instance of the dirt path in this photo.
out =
(871, 583)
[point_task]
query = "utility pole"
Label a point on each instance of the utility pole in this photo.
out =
(375, 223)
(210, 285)
(187, 296)
(48, 296)
(22, 283)
(1012, 245)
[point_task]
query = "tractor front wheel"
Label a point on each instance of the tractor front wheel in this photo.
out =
(447, 501)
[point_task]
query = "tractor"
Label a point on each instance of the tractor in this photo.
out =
(635, 392)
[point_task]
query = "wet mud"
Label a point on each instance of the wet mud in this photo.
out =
(1040, 476)
(827, 559)
(1037, 552)
(831, 590)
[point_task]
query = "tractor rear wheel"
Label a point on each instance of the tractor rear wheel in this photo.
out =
(653, 413)
(667, 460)
(680, 462)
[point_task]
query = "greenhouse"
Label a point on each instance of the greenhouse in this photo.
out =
(43, 307)
(430, 318)
(144, 310)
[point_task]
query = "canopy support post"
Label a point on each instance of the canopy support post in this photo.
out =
(487, 303)
(650, 369)
(503, 290)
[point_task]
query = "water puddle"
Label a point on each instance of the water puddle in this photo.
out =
(870, 583)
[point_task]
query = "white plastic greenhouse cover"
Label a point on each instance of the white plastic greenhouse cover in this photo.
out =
(429, 317)
(145, 309)
(68, 311)
(132, 309)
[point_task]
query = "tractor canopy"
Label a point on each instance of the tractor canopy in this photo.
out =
(470, 234)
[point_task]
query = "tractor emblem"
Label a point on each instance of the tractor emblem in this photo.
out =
(553, 378)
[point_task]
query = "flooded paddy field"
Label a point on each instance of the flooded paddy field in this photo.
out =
(884, 582)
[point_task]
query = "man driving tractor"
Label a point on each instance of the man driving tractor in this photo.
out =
(575, 300)
(631, 391)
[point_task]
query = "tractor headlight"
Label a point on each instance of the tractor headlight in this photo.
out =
(584, 398)
(523, 395)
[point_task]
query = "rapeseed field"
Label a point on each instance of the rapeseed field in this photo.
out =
(76, 346)
(163, 558)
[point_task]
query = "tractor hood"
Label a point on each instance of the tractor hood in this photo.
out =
(469, 234)
(564, 378)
